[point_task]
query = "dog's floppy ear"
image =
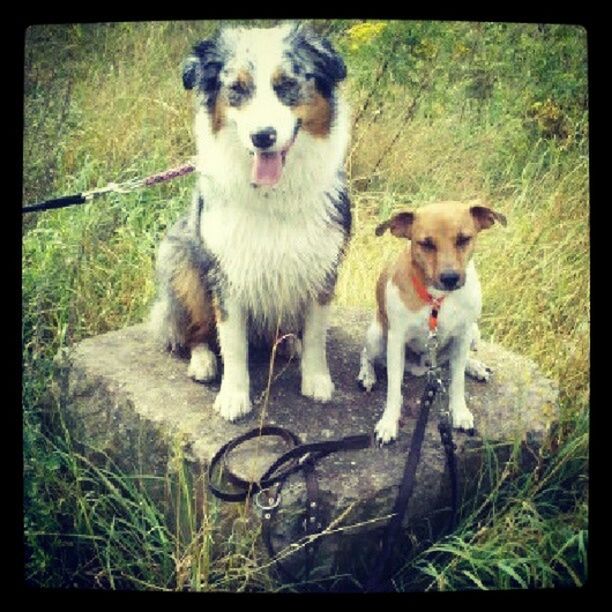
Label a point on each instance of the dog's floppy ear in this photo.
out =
(484, 216)
(321, 60)
(399, 225)
(201, 69)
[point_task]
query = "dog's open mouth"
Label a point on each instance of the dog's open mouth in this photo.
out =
(267, 167)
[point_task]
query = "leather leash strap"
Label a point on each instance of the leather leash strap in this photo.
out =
(379, 578)
(245, 487)
(301, 457)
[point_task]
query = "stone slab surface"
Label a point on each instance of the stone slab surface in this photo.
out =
(133, 401)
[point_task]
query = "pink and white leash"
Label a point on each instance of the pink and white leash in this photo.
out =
(124, 187)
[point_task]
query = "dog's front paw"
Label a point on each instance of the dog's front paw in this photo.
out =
(318, 386)
(386, 430)
(203, 364)
(478, 370)
(231, 404)
(461, 415)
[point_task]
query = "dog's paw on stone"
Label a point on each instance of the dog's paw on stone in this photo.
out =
(367, 377)
(386, 430)
(231, 404)
(318, 386)
(461, 416)
(478, 370)
(203, 364)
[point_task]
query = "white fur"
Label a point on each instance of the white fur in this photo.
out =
(233, 400)
(262, 48)
(456, 327)
(275, 245)
(203, 363)
(316, 380)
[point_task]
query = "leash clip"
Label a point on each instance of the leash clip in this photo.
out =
(444, 414)
(434, 376)
(432, 349)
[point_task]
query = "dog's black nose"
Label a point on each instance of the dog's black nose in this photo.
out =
(264, 138)
(449, 280)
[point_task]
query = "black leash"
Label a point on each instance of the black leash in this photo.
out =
(300, 457)
(62, 202)
(303, 457)
(379, 580)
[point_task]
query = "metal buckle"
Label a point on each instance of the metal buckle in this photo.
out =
(273, 502)
(311, 520)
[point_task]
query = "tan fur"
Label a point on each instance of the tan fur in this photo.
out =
(316, 115)
(402, 279)
(245, 77)
(277, 76)
(218, 114)
(220, 314)
(189, 290)
(381, 299)
(441, 224)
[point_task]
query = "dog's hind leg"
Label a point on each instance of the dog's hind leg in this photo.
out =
(165, 323)
(373, 350)
(473, 367)
(182, 318)
(477, 370)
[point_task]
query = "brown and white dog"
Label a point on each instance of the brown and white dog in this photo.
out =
(270, 217)
(436, 263)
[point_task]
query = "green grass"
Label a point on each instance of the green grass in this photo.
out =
(531, 531)
(452, 110)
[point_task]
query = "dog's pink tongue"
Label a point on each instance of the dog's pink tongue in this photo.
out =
(267, 168)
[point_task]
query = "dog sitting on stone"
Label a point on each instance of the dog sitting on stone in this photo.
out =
(270, 217)
(436, 265)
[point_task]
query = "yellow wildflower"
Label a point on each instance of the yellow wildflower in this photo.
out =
(363, 33)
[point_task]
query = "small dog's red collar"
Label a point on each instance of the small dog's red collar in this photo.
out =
(429, 299)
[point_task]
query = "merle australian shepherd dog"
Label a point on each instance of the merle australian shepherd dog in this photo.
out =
(270, 217)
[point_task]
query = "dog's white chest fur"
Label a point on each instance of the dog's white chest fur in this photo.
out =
(459, 310)
(273, 263)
